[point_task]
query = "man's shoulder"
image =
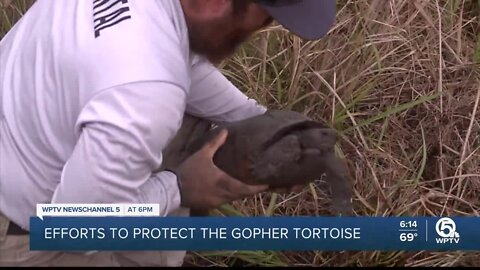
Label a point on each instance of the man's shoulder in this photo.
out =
(134, 41)
(98, 44)
(131, 21)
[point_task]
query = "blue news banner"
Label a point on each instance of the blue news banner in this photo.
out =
(256, 233)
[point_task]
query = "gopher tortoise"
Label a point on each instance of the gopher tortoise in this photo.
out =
(282, 148)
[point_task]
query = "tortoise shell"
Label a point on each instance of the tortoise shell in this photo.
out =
(281, 149)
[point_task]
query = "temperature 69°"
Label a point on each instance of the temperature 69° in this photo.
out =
(408, 237)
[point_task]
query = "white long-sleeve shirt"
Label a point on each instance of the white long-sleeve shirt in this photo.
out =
(91, 92)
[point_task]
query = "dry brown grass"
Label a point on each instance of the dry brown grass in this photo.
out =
(400, 80)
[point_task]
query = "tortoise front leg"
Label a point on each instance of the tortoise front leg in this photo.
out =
(341, 185)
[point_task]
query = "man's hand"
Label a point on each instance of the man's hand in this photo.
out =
(205, 186)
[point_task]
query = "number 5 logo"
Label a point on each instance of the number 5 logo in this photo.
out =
(446, 227)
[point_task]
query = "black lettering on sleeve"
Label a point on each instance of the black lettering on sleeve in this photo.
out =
(108, 13)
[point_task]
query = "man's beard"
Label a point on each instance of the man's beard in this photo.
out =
(212, 41)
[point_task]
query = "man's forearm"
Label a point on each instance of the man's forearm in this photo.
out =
(214, 97)
(161, 188)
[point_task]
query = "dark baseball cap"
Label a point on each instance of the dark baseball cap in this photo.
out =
(308, 19)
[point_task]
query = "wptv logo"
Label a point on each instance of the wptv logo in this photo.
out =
(446, 229)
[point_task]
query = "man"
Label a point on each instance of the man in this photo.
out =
(91, 93)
